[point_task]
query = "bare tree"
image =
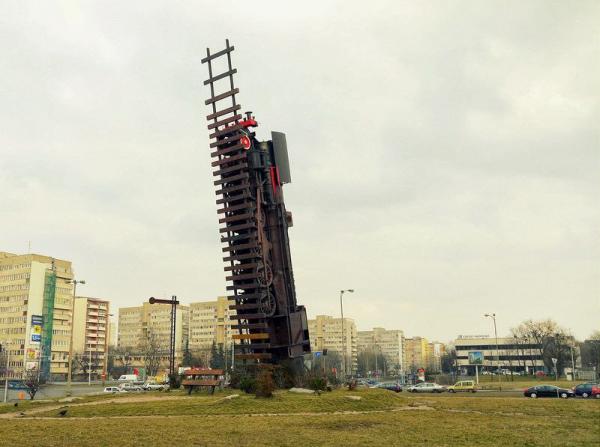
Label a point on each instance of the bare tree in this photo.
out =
(551, 340)
(32, 382)
(590, 351)
(119, 361)
(151, 350)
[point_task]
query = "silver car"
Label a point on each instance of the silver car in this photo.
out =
(426, 387)
(130, 388)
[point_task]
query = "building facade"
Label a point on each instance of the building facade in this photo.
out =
(90, 336)
(329, 333)
(416, 349)
(510, 354)
(145, 331)
(36, 298)
(435, 351)
(210, 323)
(389, 343)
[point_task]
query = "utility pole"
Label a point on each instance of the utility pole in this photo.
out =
(6, 374)
(173, 302)
(70, 365)
(572, 361)
(343, 333)
(493, 317)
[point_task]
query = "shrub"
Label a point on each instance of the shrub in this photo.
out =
(247, 384)
(265, 385)
(285, 374)
(317, 383)
(174, 381)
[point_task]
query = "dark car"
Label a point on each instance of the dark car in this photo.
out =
(392, 386)
(584, 389)
(548, 391)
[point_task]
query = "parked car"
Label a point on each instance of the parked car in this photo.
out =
(392, 386)
(426, 387)
(596, 391)
(548, 391)
(113, 389)
(130, 387)
(464, 385)
(153, 386)
(584, 389)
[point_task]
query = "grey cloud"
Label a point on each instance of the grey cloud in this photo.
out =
(444, 155)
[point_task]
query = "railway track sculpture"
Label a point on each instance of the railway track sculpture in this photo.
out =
(249, 177)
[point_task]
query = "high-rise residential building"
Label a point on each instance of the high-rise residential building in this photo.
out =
(90, 336)
(389, 343)
(435, 350)
(36, 298)
(326, 333)
(146, 330)
(210, 323)
(415, 349)
(112, 334)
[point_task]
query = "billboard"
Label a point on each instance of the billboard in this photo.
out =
(475, 358)
(37, 322)
(32, 354)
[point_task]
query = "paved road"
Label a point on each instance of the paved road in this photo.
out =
(55, 390)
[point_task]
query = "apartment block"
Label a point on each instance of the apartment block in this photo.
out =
(334, 335)
(151, 323)
(416, 349)
(36, 298)
(435, 351)
(210, 323)
(389, 343)
(112, 334)
(90, 335)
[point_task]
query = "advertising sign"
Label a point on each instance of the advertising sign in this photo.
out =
(475, 358)
(37, 322)
(32, 354)
(29, 366)
(421, 374)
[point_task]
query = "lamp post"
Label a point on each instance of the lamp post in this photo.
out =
(493, 317)
(74, 282)
(343, 334)
(107, 335)
(6, 372)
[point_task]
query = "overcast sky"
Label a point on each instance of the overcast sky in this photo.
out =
(445, 155)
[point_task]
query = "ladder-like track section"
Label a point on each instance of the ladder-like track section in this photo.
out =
(247, 272)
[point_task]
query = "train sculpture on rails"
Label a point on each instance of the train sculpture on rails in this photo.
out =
(249, 176)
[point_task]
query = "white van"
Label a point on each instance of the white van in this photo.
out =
(128, 378)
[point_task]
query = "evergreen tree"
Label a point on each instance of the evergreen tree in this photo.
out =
(214, 355)
(221, 357)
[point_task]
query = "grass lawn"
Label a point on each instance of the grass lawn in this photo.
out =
(379, 418)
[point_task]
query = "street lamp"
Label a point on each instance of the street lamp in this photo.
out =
(5, 344)
(74, 282)
(107, 334)
(493, 317)
(343, 334)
